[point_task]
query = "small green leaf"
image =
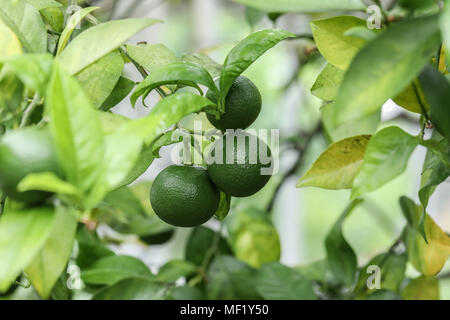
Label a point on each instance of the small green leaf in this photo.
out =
(51, 261)
(386, 66)
(337, 166)
(278, 282)
(151, 56)
(437, 91)
(76, 129)
(54, 17)
(328, 82)
(386, 157)
(22, 235)
(341, 257)
(175, 269)
(200, 242)
(246, 52)
(49, 182)
(111, 269)
(361, 32)
(413, 99)
(253, 16)
(27, 24)
(90, 248)
(422, 288)
(307, 6)
(336, 47)
(33, 70)
(84, 49)
(229, 278)
(135, 288)
(72, 23)
(100, 78)
(204, 60)
(180, 72)
(253, 237)
(224, 206)
(120, 91)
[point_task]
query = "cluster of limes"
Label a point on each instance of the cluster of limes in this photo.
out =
(188, 196)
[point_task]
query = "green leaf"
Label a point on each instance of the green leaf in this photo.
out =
(246, 52)
(22, 235)
(229, 278)
(336, 47)
(51, 261)
(204, 60)
(100, 78)
(111, 269)
(427, 258)
(386, 66)
(327, 83)
(121, 90)
(386, 157)
(361, 32)
(253, 237)
(337, 166)
(76, 129)
(253, 16)
(151, 56)
(133, 289)
(437, 90)
(422, 288)
(8, 41)
(111, 121)
(179, 72)
(444, 21)
(27, 24)
(186, 293)
(341, 257)
(413, 99)
(366, 125)
(308, 6)
(90, 248)
(33, 70)
(224, 206)
(278, 282)
(175, 269)
(44, 4)
(84, 49)
(72, 23)
(123, 146)
(49, 182)
(392, 273)
(54, 17)
(200, 242)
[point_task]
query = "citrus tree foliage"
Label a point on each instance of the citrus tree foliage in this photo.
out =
(64, 75)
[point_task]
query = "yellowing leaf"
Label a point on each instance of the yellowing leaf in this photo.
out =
(9, 42)
(337, 48)
(428, 258)
(422, 288)
(413, 99)
(337, 166)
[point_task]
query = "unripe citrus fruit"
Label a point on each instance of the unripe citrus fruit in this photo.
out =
(22, 152)
(241, 175)
(184, 196)
(242, 105)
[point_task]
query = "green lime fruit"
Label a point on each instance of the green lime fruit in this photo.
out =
(184, 196)
(239, 171)
(242, 105)
(22, 152)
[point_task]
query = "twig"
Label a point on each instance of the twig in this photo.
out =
(308, 137)
(29, 110)
(2, 204)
